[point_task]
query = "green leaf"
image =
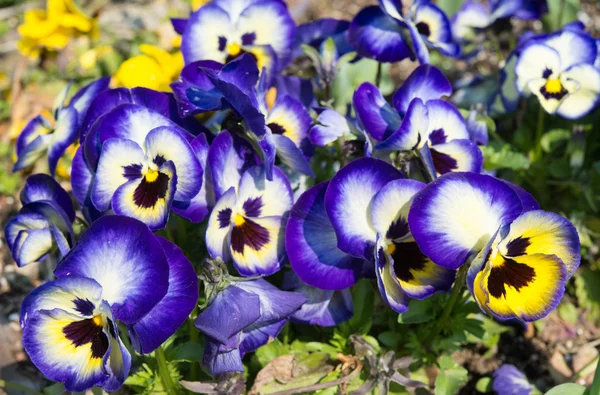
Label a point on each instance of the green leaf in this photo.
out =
(587, 289)
(484, 385)
(363, 298)
(450, 6)
(560, 13)
(595, 388)
(188, 352)
(418, 311)
(553, 138)
(502, 157)
(389, 338)
(568, 388)
(55, 389)
(451, 377)
(269, 352)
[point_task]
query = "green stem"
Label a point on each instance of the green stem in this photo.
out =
(461, 275)
(539, 133)
(163, 371)
(194, 336)
(18, 387)
(378, 76)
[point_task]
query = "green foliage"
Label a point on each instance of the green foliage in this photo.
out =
(502, 156)
(588, 292)
(568, 388)
(450, 378)
(363, 297)
(484, 385)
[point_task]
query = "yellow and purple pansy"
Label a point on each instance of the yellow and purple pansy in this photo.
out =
(247, 223)
(222, 30)
(43, 136)
(419, 120)
(118, 271)
(357, 222)
(520, 257)
(44, 223)
(378, 31)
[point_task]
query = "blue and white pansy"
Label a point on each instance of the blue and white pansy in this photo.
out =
(520, 257)
(378, 32)
(420, 121)
(52, 135)
(247, 224)
(118, 271)
(225, 29)
(559, 70)
(146, 165)
(367, 204)
(44, 223)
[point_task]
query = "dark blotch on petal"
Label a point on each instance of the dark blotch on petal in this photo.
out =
(547, 73)
(253, 207)
(443, 163)
(132, 172)
(224, 218)
(423, 29)
(111, 328)
(514, 274)
(159, 160)
(248, 38)
(398, 228)
(86, 331)
(517, 246)
(147, 193)
(222, 43)
(276, 128)
(438, 136)
(407, 257)
(84, 306)
(248, 234)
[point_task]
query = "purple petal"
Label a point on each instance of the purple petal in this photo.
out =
(347, 201)
(174, 308)
(43, 187)
(311, 243)
(375, 114)
(378, 36)
(426, 83)
(126, 259)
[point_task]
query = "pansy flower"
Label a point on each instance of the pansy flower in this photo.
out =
(419, 120)
(323, 307)
(248, 222)
(144, 182)
(279, 123)
(356, 224)
(559, 70)
(378, 32)
(315, 33)
(118, 271)
(475, 16)
(243, 317)
(52, 136)
(44, 223)
(509, 380)
(520, 257)
(225, 29)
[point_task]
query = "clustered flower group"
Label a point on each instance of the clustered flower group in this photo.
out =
(234, 145)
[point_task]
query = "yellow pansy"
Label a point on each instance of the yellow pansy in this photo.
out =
(89, 58)
(52, 28)
(154, 69)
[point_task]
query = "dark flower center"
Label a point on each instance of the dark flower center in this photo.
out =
(276, 128)
(154, 186)
(423, 29)
(88, 331)
(407, 258)
(511, 273)
(246, 232)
